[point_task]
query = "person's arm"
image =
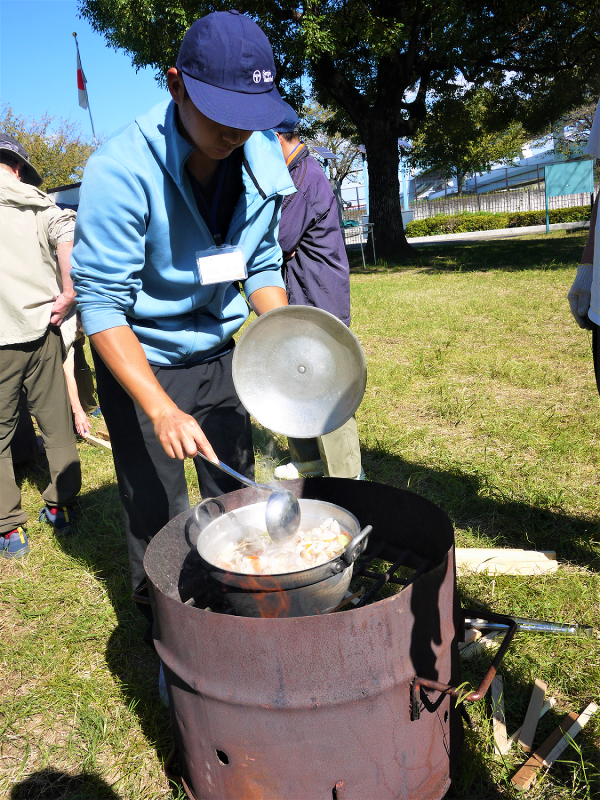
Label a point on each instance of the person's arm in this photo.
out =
(82, 423)
(587, 257)
(66, 299)
(179, 433)
(267, 298)
(580, 293)
(296, 217)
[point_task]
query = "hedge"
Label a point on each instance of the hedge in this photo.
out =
(463, 223)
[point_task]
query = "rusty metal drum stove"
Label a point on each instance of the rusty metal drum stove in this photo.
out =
(317, 707)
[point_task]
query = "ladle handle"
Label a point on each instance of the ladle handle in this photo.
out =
(234, 474)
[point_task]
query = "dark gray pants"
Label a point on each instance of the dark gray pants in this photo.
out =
(36, 368)
(152, 486)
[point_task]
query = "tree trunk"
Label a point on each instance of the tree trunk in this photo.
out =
(384, 193)
(379, 126)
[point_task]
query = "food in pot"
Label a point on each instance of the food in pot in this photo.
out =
(256, 554)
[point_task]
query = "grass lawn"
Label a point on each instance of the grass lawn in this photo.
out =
(481, 397)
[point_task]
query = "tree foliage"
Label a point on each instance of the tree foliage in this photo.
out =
(378, 60)
(319, 127)
(457, 139)
(576, 126)
(58, 150)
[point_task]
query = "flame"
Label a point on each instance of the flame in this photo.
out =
(270, 599)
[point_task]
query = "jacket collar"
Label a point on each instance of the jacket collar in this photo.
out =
(263, 159)
(301, 153)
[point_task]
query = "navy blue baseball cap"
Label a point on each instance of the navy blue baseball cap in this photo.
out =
(229, 71)
(290, 122)
(17, 151)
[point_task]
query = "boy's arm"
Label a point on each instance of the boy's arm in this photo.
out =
(179, 433)
(267, 298)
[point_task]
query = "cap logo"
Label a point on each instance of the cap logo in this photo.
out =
(267, 77)
(256, 76)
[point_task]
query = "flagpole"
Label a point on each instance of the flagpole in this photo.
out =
(86, 92)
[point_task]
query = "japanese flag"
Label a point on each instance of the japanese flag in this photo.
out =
(81, 82)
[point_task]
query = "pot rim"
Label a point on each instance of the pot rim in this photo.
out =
(282, 580)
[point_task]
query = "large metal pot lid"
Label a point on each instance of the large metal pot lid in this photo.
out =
(299, 371)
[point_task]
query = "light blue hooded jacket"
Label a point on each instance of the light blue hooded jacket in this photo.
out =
(138, 230)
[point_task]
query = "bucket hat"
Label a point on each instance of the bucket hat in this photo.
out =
(289, 123)
(30, 173)
(229, 71)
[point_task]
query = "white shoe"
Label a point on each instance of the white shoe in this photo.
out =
(361, 477)
(296, 469)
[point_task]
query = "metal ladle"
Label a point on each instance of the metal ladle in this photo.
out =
(282, 514)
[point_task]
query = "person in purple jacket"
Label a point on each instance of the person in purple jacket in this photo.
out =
(316, 273)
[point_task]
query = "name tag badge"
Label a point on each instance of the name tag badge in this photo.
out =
(223, 264)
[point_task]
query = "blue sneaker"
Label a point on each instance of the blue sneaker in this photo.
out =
(14, 544)
(97, 412)
(61, 517)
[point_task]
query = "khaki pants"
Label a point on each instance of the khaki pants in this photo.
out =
(36, 367)
(339, 450)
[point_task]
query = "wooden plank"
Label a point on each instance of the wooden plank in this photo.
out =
(525, 777)
(510, 568)
(499, 561)
(549, 703)
(580, 723)
(95, 440)
(530, 723)
(514, 554)
(486, 641)
(502, 744)
(471, 634)
(513, 568)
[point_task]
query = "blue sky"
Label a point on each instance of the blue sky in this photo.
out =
(38, 68)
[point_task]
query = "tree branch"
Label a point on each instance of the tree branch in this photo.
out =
(342, 91)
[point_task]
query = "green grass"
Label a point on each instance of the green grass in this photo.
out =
(481, 397)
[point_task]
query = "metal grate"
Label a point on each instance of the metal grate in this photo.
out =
(374, 574)
(211, 596)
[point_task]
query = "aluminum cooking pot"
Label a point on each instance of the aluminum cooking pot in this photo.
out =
(299, 371)
(317, 590)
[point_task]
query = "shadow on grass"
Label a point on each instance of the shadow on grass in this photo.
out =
(471, 778)
(512, 254)
(500, 522)
(49, 784)
(97, 541)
